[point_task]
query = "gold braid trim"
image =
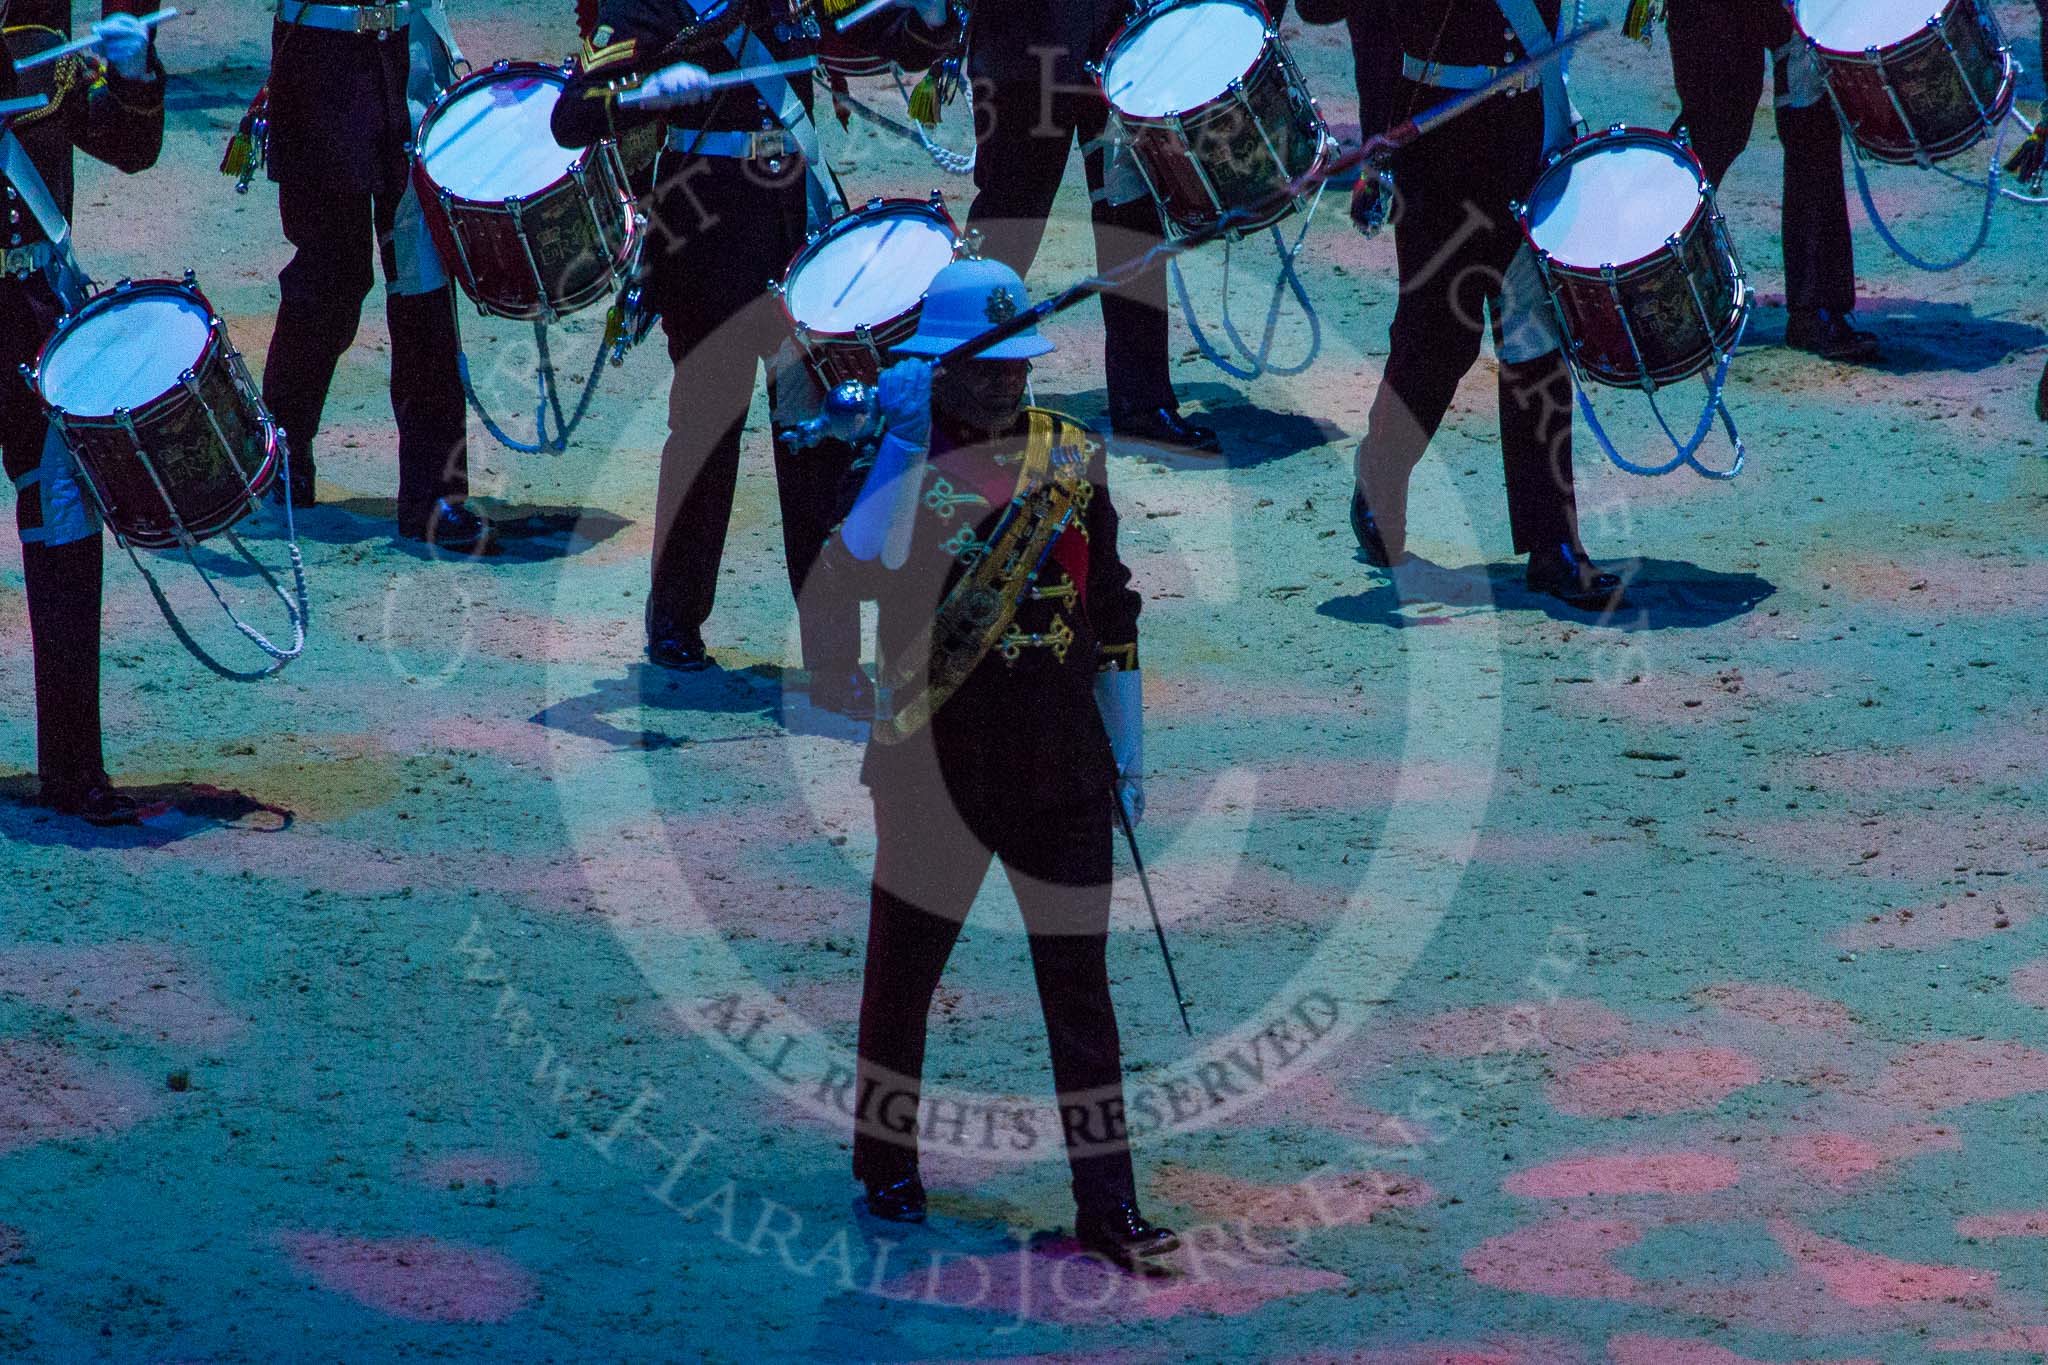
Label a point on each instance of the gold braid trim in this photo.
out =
(982, 605)
(64, 76)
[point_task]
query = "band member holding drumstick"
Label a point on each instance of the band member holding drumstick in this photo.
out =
(1462, 259)
(348, 84)
(1010, 629)
(1034, 92)
(112, 109)
(735, 196)
(1717, 60)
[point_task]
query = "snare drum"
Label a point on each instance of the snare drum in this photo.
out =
(1636, 258)
(531, 230)
(858, 287)
(1911, 88)
(1214, 110)
(160, 413)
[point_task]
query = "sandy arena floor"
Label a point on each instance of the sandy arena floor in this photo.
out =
(1667, 991)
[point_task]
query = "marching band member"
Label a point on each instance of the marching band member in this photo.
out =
(737, 190)
(348, 84)
(113, 113)
(1010, 638)
(1026, 59)
(1461, 258)
(1717, 59)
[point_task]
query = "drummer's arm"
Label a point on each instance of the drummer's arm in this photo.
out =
(1376, 54)
(123, 120)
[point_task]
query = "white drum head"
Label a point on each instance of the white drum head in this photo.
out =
(494, 141)
(1857, 25)
(1613, 202)
(1184, 58)
(871, 273)
(126, 355)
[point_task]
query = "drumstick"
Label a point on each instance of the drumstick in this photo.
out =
(149, 21)
(26, 104)
(746, 75)
(867, 12)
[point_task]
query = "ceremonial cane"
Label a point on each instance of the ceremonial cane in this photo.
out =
(1131, 838)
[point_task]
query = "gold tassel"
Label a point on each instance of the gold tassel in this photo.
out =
(924, 101)
(1642, 16)
(2031, 158)
(836, 9)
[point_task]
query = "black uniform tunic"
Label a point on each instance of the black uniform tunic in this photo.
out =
(721, 229)
(120, 122)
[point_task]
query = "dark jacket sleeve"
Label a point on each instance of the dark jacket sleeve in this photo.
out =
(1376, 62)
(116, 121)
(1113, 604)
(122, 121)
(636, 38)
(908, 41)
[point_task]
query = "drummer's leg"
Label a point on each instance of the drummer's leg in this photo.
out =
(1717, 62)
(1134, 323)
(62, 583)
(1017, 171)
(1439, 240)
(1820, 251)
(426, 386)
(320, 306)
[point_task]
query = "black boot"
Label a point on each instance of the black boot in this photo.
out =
(1830, 335)
(1566, 572)
(1164, 426)
(899, 1201)
(1367, 530)
(1124, 1236)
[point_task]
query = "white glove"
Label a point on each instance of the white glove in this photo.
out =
(125, 43)
(1120, 697)
(885, 514)
(672, 87)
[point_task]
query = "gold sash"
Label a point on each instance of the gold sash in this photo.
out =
(983, 603)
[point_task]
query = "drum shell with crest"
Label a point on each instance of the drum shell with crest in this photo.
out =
(1911, 89)
(1636, 258)
(857, 288)
(1215, 112)
(530, 230)
(160, 412)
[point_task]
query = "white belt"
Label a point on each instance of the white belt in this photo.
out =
(771, 145)
(1447, 77)
(348, 18)
(20, 261)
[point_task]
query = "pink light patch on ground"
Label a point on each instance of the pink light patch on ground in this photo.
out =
(1528, 1026)
(1056, 1283)
(1864, 1279)
(1504, 1352)
(2018, 1223)
(1315, 1098)
(1346, 1200)
(43, 1097)
(1839, 1160)
(420, 1279)
(1924, 848)
(1669, 1081)
(2030, 983)
(1781, 1006)
(1943, 1075)
(502, 1169)
(1944, 584)
(2012, 757)
(133, 986)
(1651, 1173)
(1637, 1349)
(1930, 926)
(1563, 1258)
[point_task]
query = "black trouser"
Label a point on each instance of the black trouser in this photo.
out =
(62, 581)
(929, 864)
(728, 229)
(1454, 237)
(340, 235)
(1717, 60)
(1022, 159)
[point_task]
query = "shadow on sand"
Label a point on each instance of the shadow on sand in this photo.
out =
(171, 811)
(771, 695)
(1661, 594)
(527, 534)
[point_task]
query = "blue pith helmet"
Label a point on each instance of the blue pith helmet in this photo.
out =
(966, 299)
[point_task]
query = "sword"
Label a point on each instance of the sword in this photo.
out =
(1131, 838)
